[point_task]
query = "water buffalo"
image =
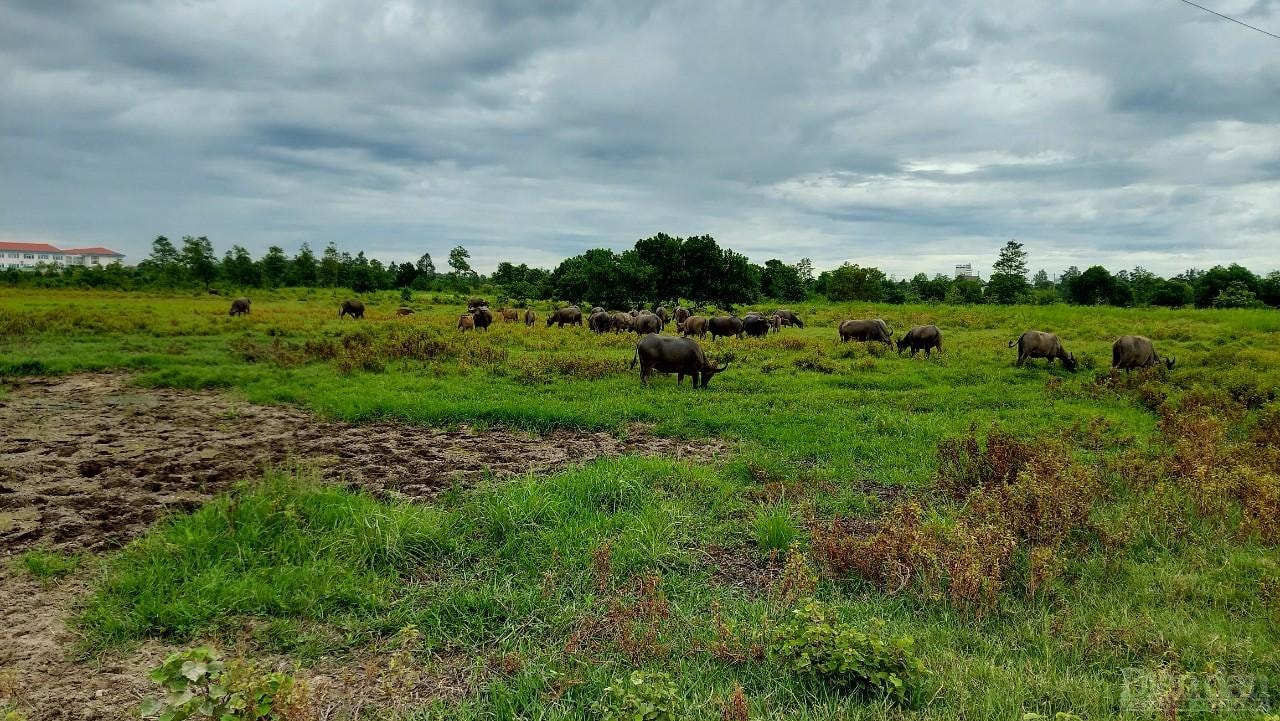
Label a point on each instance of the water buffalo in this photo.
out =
(622, 322)
(647, 322)
(776, 322)
(596, 309)
(755, 325)
(790, 317)
(404, 310)
(682, 313)
(865, 330)
(694, 325)
(483, 317)
(510, 315)
(351, 307)
(600, 322)
(1135, 351)
(530, 318)
(669, 354)
(662, 313)
(1038, 344)
(466, 322)
(571, 315)
(921, 337)
(725, 325)
(240, 306)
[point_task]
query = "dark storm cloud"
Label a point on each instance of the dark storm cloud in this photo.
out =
(907, 134)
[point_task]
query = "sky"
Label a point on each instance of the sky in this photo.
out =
(907, 134)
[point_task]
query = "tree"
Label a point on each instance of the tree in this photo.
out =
(805, 268)
(703, 262)
(273, 269)
(664, 274)
(1173, 293)
(238, 267)
(737, 282)
(361, 274)
(1097, 286)
(964, 292)
(1008, 282)
(1144, 284)
(1211, 283)
(1041, 280)
(164, 263)
(1236, 295)
(302, 271)
(781, 281)
(1269, 289)
(425, 267)
(329, 271)
(853, 282)
(458, 258)
(198, 259)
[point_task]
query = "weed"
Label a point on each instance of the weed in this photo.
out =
(735, 707)
(49, 565)
(774, 529)
(816, 361)
(640, 696)
(198, 685)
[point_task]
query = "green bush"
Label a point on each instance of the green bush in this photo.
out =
(813, 643)
(198, 685)
(641, 696)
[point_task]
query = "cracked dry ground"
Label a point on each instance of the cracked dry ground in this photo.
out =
(88, 462)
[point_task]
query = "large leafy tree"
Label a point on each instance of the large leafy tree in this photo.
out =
(238, 268)
(198, 259)
(273, 269)
(703, 263)
(164, 265)
(1211, 283)
(303, 269)
(854, 282)
(781, 281)
(665, 274)
(1008, 282)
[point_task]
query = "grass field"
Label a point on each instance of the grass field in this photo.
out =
(1035, 532)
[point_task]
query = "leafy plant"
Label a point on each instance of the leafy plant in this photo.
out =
(813, 642)
(641, 696)
(199, 685)
(775, 531)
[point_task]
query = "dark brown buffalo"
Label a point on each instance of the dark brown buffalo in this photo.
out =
(662, 313)
(921, 337)
(755, 325)
(1134, 351)
(351, 307)
(865, 330)
(466, 322)
(1038, 344)
(776, 322)
(510, 315)
(622, 322)
(694, 325)
(669, 354)
(530, 318)
(647, 322)
(791, 318)
(725, 325)
(681, 314)
(404, 310)
(596, 309)
(240, 306)
(600, 322)
(483, 317)
(572, 315)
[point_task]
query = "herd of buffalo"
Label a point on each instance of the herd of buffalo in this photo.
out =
(683, 356)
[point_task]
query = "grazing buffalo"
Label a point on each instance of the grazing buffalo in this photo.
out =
(755, 325)
(865, 330)
(622, 322)
(530, 318)
(596, 309)
(776, 322)
(1135, 351)
(662, 313)
(682, 313)
(240, 306)
(571, 315)
(669, 354)
(647, 322)
(789, 317)
(510, 315)
(351, 307)
(483, 317)
(921, 337)
(466, 322)
(694, 325)
(600, 322)
(1038, 344)
(725, 325)
(404, 310)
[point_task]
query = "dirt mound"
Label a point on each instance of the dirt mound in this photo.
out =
(91, 462)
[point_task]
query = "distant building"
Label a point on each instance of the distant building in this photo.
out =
(28, 256)
(965, 272)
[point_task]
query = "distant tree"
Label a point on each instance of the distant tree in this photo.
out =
(1144, 284)
(458, 261)
(1097, 286)
(198, 259)
(1173, 294)
(1269, 289)
(329, 271)
(1236, 295)
(703, 262)
(964, 292)
(426, 267)
(781, 281)
(273, 269)
(405, 275)
(238, 268)
(1008, 283)
(361, 274)
(853, 282)
(1041, 280)
(738, 280)
(164, 264)
(663, 267)
(303, 269)
(805, 269)
(1211, 283)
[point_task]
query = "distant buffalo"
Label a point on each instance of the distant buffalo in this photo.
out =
(921, 337)
(865, 330)
(240, 306)
(725, 325)
(622, 322)
(571, 315)
(466, 322)
(1135, 351)
(530, 318)
(694, 325)
(790, 317)
(483, 317)
(404, 310)
(669, 354)
(776, 322)
(1038, 344)
(662, 313)
(647, 322)
(596, 309)
(755, 325)
(351, 307)
(510, 315)
(600, 322)
(682, 313)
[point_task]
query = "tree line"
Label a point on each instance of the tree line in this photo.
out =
(661, 268)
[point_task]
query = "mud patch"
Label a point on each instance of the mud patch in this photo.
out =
(91, 462)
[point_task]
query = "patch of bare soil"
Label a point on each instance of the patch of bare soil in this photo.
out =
(88, 462)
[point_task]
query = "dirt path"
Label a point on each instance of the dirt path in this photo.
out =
(88, 462)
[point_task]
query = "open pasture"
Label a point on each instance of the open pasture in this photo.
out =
(1036, 532)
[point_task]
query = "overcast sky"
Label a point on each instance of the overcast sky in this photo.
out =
(905, 134)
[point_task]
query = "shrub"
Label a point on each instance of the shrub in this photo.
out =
(641, 696)
(198, 685)
(964, 463)
(813, 643)
(816, 362)
(775, 531)
(735, 707)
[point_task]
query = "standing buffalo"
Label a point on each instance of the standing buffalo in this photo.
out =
(865, 330)
(510, 315)
(755, 325)
(351, 307)
(790, 317)
(725, 325)
(921, 337)
(600, 322)
(662, 313)
(669, 354)
(240, 306)
(622, 322)
(483, 317)
(571, 315)
(596, 309)
(776, 322)
(647, 322)
(694, 325)
(681, 315)
(404, 310)
(1135, 351)
(466, 322)
(1038, 344)
(530, 318)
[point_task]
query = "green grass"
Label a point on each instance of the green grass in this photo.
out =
(519, 567)
(49, 565)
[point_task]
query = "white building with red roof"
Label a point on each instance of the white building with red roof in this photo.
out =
(23, 256)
